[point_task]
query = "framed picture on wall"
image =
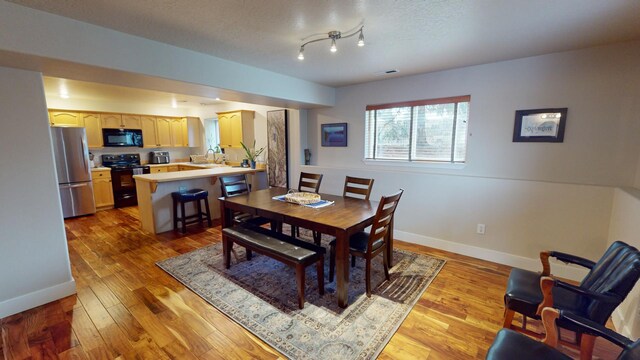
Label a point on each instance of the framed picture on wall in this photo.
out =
(278, 149)
(334, 134)
(540, 125)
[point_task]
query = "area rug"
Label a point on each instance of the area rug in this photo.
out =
(261, 296)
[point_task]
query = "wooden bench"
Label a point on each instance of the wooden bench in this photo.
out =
(286, 249)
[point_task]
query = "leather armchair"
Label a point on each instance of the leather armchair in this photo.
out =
(509, 344)
(606, 285)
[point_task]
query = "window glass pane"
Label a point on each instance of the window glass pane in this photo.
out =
(433, 132)
(392, 138)
(462, 125)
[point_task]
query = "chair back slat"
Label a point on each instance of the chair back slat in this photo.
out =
(358, 188)
(234, 185)
(309, 182)
(383, 218)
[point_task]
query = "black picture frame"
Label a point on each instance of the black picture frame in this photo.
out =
(540, 125)
(334, 134)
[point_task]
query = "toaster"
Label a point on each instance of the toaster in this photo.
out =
(159, 157)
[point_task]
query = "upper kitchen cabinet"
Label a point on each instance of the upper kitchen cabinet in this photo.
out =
(178, 130)
(65, 118)
(119, 121)
(149, 131)
(163, 128)
(236, 126)
(93, 126)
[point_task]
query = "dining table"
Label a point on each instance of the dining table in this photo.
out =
(343, 218)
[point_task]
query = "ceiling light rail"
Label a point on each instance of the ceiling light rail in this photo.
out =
(333, 36)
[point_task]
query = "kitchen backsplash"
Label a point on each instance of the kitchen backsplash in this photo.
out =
(176, 154)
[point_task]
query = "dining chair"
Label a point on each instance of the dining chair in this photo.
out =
(368, 245)
(236, 185)
(308, 183)
(358, 188)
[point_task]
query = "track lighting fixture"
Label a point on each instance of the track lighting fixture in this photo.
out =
(333, 36)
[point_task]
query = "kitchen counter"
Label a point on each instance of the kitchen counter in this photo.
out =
(100, 168)
(154, 192)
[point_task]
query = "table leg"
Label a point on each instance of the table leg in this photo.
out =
(342, 269)
(390, 244)
(226, 216)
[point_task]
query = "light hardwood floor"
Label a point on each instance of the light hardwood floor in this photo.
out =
(126, 307)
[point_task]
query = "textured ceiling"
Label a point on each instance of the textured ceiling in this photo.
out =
(412, 36)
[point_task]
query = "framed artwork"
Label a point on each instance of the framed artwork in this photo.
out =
(540, 125)
(278, 149)
(334, 134)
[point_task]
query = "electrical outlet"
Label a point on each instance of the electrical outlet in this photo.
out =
(480, 229)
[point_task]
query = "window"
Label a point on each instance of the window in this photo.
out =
(425, 130)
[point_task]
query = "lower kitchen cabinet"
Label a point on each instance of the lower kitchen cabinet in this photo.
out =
(158, 169)
(102, 189)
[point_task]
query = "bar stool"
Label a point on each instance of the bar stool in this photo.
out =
(189, 196)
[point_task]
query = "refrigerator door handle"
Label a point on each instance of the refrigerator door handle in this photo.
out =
(69, 186)
(84, 151)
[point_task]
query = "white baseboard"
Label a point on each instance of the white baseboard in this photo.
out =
(557, 268)
(36, 298)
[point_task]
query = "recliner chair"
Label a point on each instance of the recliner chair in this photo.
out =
(600, 292)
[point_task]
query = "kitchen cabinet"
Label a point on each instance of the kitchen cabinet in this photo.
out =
(65, 118)
(236, 126)
(131, 121)
(102, 189)
(158, 169)
(119, 121)
(163, 131)
(178, 127)
(93, 126)
(172, 168)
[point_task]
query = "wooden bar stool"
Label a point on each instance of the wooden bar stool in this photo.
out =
(189, 196)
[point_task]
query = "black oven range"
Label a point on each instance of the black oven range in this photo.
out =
(123, 167)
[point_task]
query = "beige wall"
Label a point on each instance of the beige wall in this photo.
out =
(626, 227)
(531, 196)
(34, 265)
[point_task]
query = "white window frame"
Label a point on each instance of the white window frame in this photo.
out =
(422, 163)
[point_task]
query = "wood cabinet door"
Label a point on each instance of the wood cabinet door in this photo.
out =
(111, 121)
(131, 122)
(65, 118)
(149, 131)
(163, 128)
(185, 131)
(93, 126)
(177, 138)
(236, 130)
(224, 125)
(103, 192)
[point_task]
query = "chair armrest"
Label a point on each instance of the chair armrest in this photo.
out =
(596, 329)
(566, 258)
(546, 286)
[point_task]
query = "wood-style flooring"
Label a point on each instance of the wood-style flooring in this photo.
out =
(126, 307)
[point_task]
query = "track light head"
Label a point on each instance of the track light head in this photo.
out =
(301, 53)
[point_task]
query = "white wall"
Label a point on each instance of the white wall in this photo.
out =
(531, 196)
(34, 262)
(625, 227)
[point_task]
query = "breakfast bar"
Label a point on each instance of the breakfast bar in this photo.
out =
(154, 192)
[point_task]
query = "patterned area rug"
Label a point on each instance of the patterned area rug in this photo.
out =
(261, 296)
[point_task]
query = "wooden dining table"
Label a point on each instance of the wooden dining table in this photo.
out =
(345, 217)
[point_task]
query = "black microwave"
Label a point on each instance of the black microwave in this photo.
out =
(122, 137)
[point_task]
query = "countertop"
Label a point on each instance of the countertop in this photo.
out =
(202, 166)
(100, 168)
(194, 174)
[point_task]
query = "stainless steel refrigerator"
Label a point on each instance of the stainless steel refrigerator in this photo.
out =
(71, 156)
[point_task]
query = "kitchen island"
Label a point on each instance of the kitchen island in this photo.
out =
(154, 192)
